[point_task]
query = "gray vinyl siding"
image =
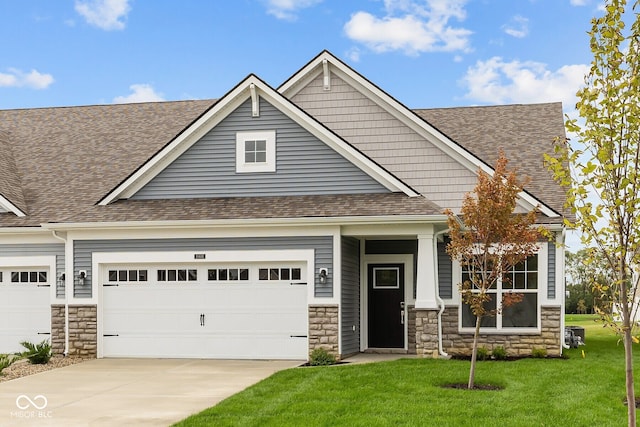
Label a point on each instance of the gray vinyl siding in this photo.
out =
(551, 270)
(304, 164)
(384, 138)
(350, 304)
(323, 246)
(445, 270)
(43, 249)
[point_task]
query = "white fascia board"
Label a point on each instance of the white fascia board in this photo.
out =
(402, 113)
(259, 222)
(6, 205)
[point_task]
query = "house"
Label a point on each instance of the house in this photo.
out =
(263, 224)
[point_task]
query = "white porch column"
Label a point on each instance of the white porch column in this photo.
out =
(425, 280)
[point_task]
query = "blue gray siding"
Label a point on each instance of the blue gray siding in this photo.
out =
(304, 165)
(323, 246)
(350, 307)
(445, 277)
(44, 249)
(551, 271)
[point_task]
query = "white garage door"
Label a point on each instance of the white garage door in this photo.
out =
(25, 308)
(230, 310)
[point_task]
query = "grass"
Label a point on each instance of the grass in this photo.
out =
(543, 392)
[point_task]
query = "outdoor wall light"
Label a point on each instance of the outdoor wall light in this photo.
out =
(323, 276)
(82, 275)
(61, 278)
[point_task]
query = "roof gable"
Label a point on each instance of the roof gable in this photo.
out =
(303, 165)
(325, 66)
(252, 88)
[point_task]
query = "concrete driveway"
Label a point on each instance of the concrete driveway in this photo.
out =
(131, 392)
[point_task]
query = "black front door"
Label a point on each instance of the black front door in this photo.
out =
(386, 305)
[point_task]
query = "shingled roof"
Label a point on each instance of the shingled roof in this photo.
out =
(57, 163)
(523, 131)
(10, 185)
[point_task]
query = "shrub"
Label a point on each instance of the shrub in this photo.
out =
(499, 353)
(38, 354)
(483, 353)
(7, 360)
(539, 353)
(321, 357)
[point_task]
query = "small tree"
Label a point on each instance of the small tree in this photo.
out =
(490, 241)
(601, 171)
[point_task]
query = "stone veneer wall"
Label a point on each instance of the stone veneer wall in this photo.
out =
(57, 329)
(411, 329)
(323, 328)
(426, 335)
(83, 332)
(455, 343)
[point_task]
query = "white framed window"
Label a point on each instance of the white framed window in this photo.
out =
(127, 276)
(256, 151)
(524, 279)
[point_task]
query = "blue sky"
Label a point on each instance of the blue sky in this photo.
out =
(426, 53)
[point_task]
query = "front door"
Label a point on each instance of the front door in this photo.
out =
(386, 305)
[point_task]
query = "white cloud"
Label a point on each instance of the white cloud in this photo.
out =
(105, 14)
(139, 93)
(578, 2)
(499, 82)
(32, 79)
(412, 27)
(287, 9)
(518, 27)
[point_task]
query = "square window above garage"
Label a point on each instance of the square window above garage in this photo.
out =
(256, 151)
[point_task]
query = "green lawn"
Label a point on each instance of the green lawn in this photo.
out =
(576, 391)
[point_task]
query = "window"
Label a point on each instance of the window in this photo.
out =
(273, 274)
(228, 274)
(127, 276)
(256, 151)
(178, 275)
(521, 279)
(28, 277)
(386, 278)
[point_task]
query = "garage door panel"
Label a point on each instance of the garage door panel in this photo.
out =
(205, 319)
(25, 315)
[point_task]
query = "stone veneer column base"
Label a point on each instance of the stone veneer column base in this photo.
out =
(57, 329)
(426, 333)
(83, 332)
(323, 328)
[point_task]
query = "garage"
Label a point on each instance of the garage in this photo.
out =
(222, 310)
(25, 307)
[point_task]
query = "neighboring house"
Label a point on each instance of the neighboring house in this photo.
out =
(263, 224)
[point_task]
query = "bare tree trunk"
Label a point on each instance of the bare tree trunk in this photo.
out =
(628, 359)
(474, 355)
(628, 350)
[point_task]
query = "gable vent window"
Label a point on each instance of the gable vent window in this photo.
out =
(256, 151)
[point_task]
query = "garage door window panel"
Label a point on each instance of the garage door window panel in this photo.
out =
(178, 275)
(126, 276)
(228, 274)
(28, 277)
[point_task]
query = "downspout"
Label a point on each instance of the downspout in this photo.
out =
(66, 299)
(438, 299)
(563, 342)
